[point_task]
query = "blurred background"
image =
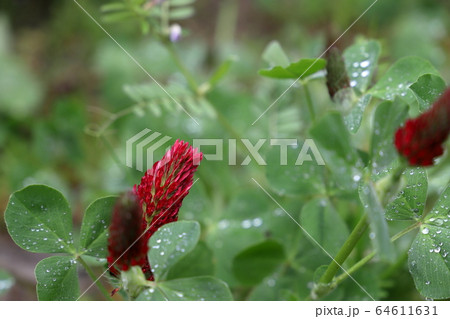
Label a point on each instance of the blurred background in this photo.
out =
(61, 78)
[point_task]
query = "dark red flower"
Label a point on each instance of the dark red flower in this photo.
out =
(166, 184)
(420, 139)
(127, 246)
(153, 203)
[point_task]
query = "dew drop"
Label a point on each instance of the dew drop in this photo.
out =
(246, 224)
(223, 224)
(278, 212)
(365, 73)
(365, 64)
(257, 222)
(271, 282)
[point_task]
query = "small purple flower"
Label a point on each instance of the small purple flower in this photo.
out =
(174, 32)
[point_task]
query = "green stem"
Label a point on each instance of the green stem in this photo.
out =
(195, 88)
(226, 124)
(176, 59)
(112, 118)
(345, 251)
(309, 102)
(165, 16)
(384, 188)
(94, 279)
(226, 24)
(163, 293)
(352, 269)
(366, 259)
(405, 231)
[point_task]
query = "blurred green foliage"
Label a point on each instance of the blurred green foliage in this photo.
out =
(62, 78)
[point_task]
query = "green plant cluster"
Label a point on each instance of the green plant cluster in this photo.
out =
(363, 226)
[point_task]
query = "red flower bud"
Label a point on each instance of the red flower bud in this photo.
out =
(337, 78)
(420, 140)
(127, 244)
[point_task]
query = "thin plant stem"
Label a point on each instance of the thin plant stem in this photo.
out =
(195, 88)
(345, 250)
(352, 269)
(309, 102)
(366, 259)
(94, 278)
(165, 6)
(112, 118)
(328, 277)
(186, 73)
(226, 24)
(405, 231)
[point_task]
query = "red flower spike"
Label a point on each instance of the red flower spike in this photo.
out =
(160, 194)
(126, 244)
(166, 184)
(420, 140)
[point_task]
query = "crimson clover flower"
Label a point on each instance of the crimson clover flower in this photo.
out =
(166, 184)
(153, 203)
(420, 139)
(126, 246)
